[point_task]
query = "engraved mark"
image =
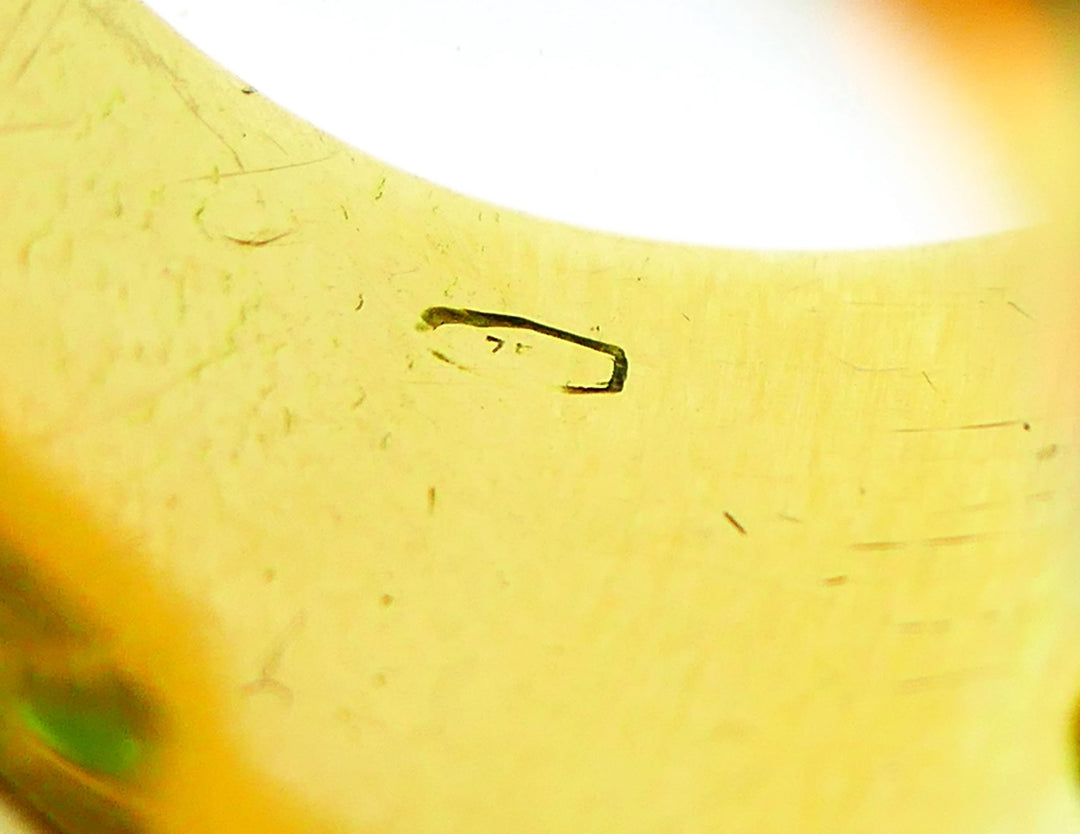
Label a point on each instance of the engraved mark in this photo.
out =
(29, 59)
(734, 523)
(1046, 452)
(946, 541)
(1021, 310)
(248, 172)
(936, 541)
(267, 682)
(879, 545)
(260, 240)
(442, 357)
(435, 317)
(999, 424)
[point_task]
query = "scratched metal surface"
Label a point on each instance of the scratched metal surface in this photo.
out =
(810, 569)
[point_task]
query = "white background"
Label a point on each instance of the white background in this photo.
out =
(791, 124)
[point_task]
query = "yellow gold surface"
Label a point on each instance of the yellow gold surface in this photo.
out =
(812, 570)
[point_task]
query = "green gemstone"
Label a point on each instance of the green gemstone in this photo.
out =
(102, 740)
